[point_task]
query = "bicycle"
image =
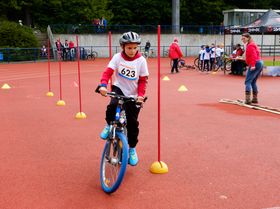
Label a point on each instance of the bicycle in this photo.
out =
(115, 155)
(150, 53)
(225, 65)
(91, 55)
(166, 53)
(182, 64)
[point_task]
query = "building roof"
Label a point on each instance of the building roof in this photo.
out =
(248, 10)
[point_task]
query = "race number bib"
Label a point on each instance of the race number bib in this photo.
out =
(127, 72)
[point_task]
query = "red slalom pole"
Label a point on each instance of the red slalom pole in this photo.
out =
(49, 93)
(158, 167)
(158, 93)
(79, 115)
(60, 102)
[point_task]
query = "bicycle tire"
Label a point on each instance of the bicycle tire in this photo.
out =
(196, 62)
(198, 65)
(91, 57)
(95, 54)
(216, 67)
(227, 66)
(120, 166)
(145, 54)
(166, 53)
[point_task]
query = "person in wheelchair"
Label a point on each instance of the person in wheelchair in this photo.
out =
(238, 64)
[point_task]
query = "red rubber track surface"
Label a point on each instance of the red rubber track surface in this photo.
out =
(220, 156)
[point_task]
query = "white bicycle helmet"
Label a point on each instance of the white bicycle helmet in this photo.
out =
(130, 37)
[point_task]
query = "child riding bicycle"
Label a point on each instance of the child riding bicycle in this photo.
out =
(131, 74)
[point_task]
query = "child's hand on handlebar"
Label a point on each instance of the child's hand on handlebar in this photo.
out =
(140, 100)
(103, 91)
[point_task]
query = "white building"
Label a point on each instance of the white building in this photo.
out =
(242, 16)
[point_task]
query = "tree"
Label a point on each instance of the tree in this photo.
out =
(19, 10)
(43, 13)
(201, 12)
(122, 12)
(15, 35)
(144, 12)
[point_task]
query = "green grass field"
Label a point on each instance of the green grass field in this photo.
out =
(270, 63)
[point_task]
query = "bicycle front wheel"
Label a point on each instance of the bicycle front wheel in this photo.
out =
(227, 66)
(196, 62)
(95, 54)
(113, 163)
(215, 67)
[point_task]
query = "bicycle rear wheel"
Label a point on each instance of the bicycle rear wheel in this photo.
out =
(91, 57)
(113, 163)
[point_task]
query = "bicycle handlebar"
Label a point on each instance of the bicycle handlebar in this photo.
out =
(121, 97)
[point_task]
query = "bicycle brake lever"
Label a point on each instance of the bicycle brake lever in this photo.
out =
(97, 89)
(145, 99)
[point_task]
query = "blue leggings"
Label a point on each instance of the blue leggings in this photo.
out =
(252, 77)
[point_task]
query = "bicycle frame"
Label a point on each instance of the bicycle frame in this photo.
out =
(115, 154)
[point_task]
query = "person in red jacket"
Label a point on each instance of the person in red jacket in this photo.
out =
(72, 50)
(175, 54)
(255, 67)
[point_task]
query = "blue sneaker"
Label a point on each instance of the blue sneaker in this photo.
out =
(133, 159)
(105, 133)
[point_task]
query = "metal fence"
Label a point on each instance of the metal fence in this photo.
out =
(165, 29)
(35, 54)
(21, 54)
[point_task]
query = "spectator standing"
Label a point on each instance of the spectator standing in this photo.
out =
(201, 56)
(103, 24)
(255, 66)
(212, 56)
(59, 48)
(206, 58)
(96, 24)
(65, 50)
(147, 48)
(72, 50)
(175, 53)
(44, 51)
(219, 53)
